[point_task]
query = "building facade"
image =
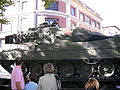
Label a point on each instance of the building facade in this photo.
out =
(26, 14)
(73, 13)
(110, 30)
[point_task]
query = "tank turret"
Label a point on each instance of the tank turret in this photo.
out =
(76, 55)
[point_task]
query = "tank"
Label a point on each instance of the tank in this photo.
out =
(77, 54)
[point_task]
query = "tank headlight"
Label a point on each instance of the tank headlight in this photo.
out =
(67, 69)
(85, 70)
(106, 69)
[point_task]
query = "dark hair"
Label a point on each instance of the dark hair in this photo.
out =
(32, 77)
(18, 61)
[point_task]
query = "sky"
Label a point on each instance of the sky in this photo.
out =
(108, 10)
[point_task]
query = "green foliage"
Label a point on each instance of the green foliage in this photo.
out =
(4, 21)
(48, 2)
(3, 4)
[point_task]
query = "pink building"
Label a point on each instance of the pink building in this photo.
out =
(70, 13)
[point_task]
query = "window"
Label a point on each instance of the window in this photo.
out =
(73, 11)
(93, 23)
(53, 6)
(110, 31)
(6, 26)
(81, 16)
(50, 21)
(98, 25)
(24, 5)
(87, 19)
(23, 25)
(73, 24)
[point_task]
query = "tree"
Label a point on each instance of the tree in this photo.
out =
(48, 2)
(3, 4)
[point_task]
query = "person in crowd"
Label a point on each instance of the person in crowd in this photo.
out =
(31, 85)
(48, 81)
(17, 79)
(92, 84)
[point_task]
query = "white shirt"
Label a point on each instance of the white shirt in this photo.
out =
(47, 82)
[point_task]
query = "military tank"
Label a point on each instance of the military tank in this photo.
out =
(77, 54)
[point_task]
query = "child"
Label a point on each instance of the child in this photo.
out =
(31, 85)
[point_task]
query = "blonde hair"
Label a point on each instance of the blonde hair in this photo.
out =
(48, 68)
(92, 83)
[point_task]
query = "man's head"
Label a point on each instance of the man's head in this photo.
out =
(18, 61)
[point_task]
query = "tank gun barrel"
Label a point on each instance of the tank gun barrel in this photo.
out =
(45, 33)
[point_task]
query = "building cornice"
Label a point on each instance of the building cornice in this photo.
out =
(85, 7)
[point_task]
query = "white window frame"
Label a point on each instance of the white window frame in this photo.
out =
(87, 19)
(23, 5)
(73, 11)
(22, 27)
(81, 16)
(93, 23)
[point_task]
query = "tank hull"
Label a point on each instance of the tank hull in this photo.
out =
(75, 60)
